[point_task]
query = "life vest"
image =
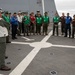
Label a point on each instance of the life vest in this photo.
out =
(45, 19)
(56, 19)
(39, 20)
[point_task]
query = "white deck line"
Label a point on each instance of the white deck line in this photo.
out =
(65, 46)
(27, 60)
(20, 43)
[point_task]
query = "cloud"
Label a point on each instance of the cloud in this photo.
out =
(65, 6)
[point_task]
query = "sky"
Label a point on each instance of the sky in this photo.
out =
(65, 6)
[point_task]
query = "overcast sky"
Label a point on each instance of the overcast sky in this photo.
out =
(65, 6)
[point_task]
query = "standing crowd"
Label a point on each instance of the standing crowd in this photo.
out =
(67, 25)
(19, 23)
(22, 23)
(26, 25)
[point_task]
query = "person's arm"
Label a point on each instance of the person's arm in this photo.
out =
(24, 19)
(53, 20)
(6, 24)
(36, 20)
(49, 21)
(42, 19)
(71, 19)
(29, 20)
(59, 19)
(3, 17)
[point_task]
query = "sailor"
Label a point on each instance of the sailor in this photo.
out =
(36, 15)
(7, 19)
(14, 24)
(26, 24)
(73, 26)
(23, 14)
(56, 20)
(19, 16)
(39, 22)
(32, 22)
(3, 34)
(46, 22)
(68, 21)
(62, 20)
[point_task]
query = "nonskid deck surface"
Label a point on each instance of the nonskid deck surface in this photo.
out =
(41, 56)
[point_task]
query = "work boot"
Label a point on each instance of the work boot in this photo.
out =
(5, 68)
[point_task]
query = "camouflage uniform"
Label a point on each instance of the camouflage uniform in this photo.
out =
(7, 19)
(2, 45)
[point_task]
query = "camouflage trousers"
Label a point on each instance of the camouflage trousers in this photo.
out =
(2, 51)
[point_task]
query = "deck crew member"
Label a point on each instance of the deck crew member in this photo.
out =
(56, 20)
(46, 22)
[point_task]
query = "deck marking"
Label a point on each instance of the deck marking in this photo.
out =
(66, 46)
(27, 39)
(37, 47)
(19, 43)
(27, 60)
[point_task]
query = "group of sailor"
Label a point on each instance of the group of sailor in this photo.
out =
(23, 24)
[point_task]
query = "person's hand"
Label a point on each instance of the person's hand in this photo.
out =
(43, 24)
